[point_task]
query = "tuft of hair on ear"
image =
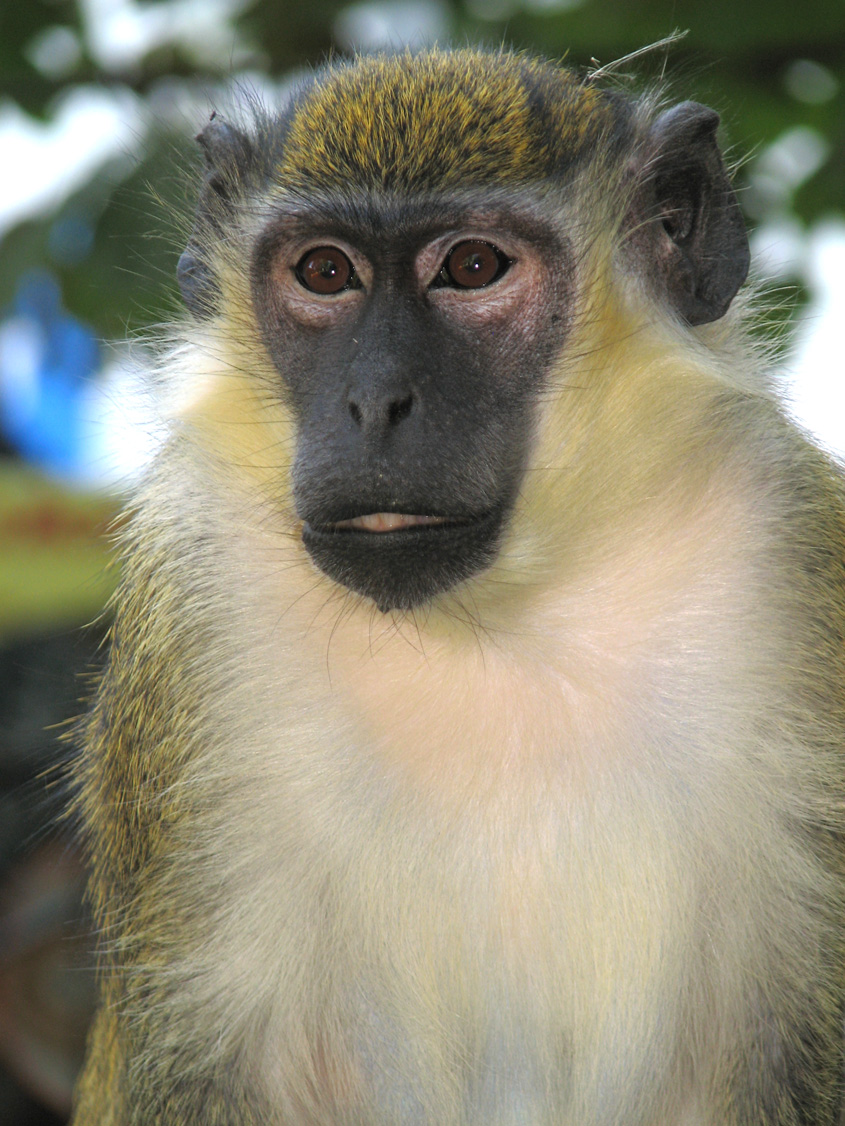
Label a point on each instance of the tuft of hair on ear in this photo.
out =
(239, 150)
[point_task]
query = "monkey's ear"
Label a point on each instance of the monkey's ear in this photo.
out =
(695, 234)
(228, 158)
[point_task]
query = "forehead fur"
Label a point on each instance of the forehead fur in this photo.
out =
(441, 119)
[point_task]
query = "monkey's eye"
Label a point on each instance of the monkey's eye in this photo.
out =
(472, 265)
(326, 270)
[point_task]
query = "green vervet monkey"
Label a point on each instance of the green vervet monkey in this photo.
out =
(470, 750)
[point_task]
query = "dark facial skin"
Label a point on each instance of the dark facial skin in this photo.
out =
(411, 341)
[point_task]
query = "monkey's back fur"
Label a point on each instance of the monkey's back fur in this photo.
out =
(560, 844)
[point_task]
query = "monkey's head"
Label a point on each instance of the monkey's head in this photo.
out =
(413, 237)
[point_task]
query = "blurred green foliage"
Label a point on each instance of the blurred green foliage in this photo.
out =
(768, 66)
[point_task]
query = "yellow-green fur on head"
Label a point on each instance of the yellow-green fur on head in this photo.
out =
(442, 119)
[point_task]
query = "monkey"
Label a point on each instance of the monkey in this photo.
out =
(470, 744)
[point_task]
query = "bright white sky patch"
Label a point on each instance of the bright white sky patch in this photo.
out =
(119, 33)
(45, 162)
(816, 372)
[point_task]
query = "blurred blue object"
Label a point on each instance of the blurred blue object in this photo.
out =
(71, 239)
(47, 359)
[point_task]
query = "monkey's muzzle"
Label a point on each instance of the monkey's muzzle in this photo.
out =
(402, 560)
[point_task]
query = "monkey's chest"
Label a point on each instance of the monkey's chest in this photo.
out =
(510, 987)
(490, 910)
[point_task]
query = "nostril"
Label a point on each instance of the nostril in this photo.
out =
(399, 410)
(369, 412)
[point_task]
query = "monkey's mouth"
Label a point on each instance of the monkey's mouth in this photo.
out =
(401, 560)
(388, 522)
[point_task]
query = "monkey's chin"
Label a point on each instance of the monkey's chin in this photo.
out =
(400, 561)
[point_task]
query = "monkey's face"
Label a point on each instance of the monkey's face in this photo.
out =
(412, 339)
(417, 225)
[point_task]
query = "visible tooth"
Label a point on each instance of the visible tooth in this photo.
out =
(384, 521)
(388, 521)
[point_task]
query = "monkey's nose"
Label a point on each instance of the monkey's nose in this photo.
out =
(380, 412)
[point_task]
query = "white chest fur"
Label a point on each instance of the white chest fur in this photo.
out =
(506, 847)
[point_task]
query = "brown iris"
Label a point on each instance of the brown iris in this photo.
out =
(473, 264)
(325, 270)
